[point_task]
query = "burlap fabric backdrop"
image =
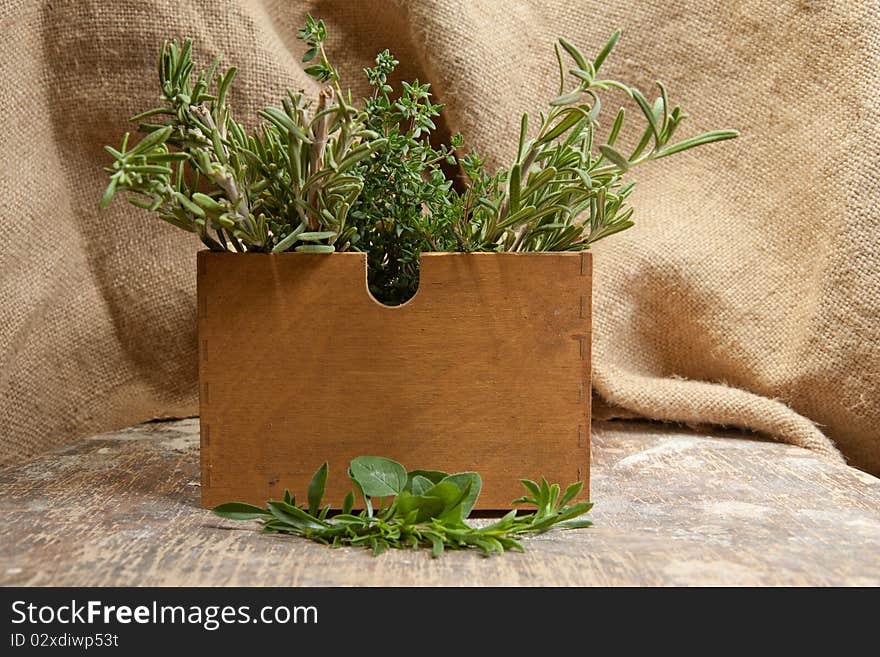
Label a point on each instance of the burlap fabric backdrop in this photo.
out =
(747, 295)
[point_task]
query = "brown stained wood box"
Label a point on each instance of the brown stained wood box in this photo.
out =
(487, 368)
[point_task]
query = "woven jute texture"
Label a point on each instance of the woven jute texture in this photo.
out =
(747, 295)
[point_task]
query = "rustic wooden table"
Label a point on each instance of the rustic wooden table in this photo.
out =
(673, 507)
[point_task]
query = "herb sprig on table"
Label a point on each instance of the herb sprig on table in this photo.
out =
(336, 175)
(422, 508)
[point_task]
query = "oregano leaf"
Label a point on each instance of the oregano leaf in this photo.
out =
(378, 476)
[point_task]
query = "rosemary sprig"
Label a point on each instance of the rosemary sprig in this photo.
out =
(287, 186)
(424, 509)
(564, 192)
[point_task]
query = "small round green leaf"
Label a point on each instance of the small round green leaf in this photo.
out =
(378, 476)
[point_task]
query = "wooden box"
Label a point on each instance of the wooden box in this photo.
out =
(487, 368)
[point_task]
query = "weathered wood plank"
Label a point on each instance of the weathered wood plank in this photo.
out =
(673, 506)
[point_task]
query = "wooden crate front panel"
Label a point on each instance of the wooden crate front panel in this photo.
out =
(486, 368)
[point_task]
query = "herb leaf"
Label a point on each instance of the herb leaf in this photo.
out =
(420, 484)
(240, 511)
(434, 476)
(378, 476)
(471, 482)
(316, 489)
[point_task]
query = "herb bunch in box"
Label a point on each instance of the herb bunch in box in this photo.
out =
(335, 174)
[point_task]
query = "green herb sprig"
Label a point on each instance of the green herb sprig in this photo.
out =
(565, 191)
(407, 202)
(288, 186)
(421, 508)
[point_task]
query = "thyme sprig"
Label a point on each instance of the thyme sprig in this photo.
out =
(422, 508)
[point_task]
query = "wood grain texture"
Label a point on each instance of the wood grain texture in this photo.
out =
(487, 368)
(673, 507)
